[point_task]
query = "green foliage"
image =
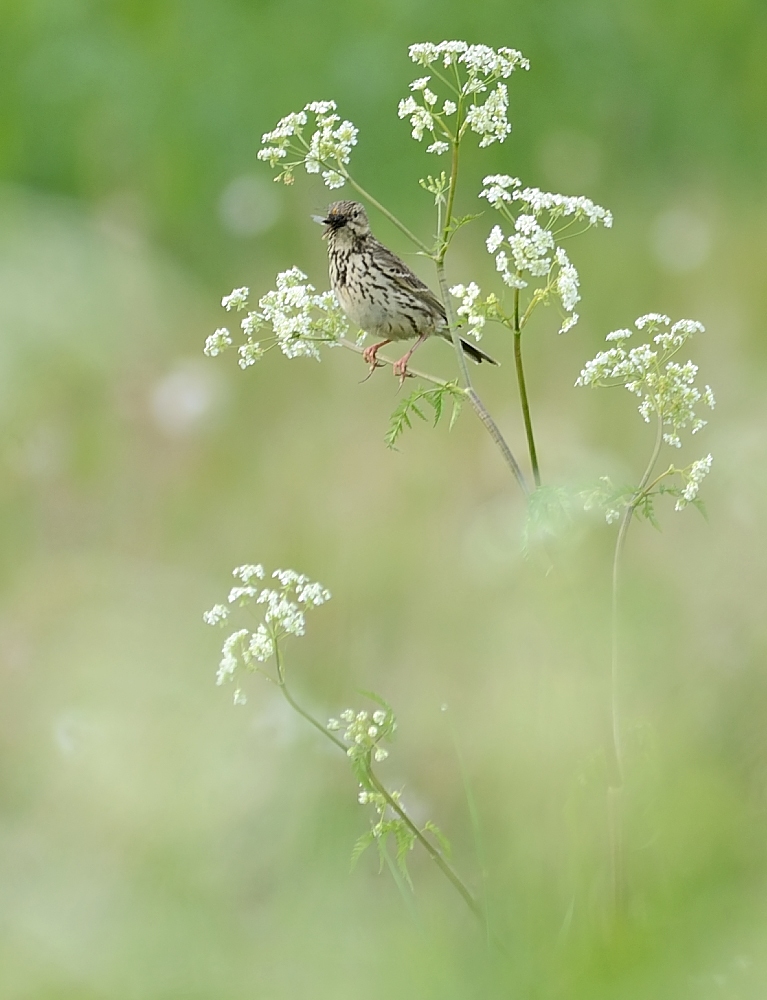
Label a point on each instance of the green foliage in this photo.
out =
(434, 397)
(444, 843)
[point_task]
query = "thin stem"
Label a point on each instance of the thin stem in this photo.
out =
(523, 392)
(450, 195)
(351, 346)
(615, 790)
(435, 855)
(392, 218)
(294, 704)
(432, 851)
(479, 407)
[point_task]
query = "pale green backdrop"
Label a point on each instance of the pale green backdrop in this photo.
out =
(156, 842)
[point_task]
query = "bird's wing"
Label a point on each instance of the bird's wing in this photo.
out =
(398, 272)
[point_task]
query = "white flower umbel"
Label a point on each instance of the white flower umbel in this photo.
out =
(477, 101)
(539, 220)
(284, 614)
(664, 387)
(301, 319)
(667, 392)
(327, 150)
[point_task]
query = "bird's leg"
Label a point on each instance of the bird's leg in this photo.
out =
(369, 354)
(400, 367)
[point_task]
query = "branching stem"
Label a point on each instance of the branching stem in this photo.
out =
(444, 866)
(479, 407)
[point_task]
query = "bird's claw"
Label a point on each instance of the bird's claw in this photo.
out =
(400, 370)
(373, 365)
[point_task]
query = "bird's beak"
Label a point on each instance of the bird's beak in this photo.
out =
(330, 222)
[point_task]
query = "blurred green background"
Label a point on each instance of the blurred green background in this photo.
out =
(154, 840)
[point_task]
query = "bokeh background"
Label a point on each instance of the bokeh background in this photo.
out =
(156, 841)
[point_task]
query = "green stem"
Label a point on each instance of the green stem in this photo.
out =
(615, 789)
(523, 392)
(450, 195)
(479, 407)
(294, 704)
(431, 850)
(351, 346)
(392, 218)
(443, 865)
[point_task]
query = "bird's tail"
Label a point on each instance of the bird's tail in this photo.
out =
(475, 353)
(470, 349)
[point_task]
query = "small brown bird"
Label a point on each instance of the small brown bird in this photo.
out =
(378, 291)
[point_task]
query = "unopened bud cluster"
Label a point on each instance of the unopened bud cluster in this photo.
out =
(364, 732)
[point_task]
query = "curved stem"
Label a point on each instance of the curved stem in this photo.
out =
(294, 704)
(523, 392)
(615, 789)
(443, 865)
(479, 407)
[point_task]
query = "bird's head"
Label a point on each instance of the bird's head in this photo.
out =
(345, 215)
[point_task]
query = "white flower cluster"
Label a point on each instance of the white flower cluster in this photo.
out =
(301, 319)
(475, 309)
(532, 247)
(665, 387)
(533, 250)
(502, 191)
(330, 145)
(217, 342)
(479, 60)
(284, 614)
(474, 69)
(693, 478)
(364, 732)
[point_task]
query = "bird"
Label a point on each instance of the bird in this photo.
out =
(378, 292)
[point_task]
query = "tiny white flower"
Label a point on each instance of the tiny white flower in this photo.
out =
(217, 614)
(569, 323)
(438, 147)
(236, 299)
(217, 342)
(495, 239)
(380, 754)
